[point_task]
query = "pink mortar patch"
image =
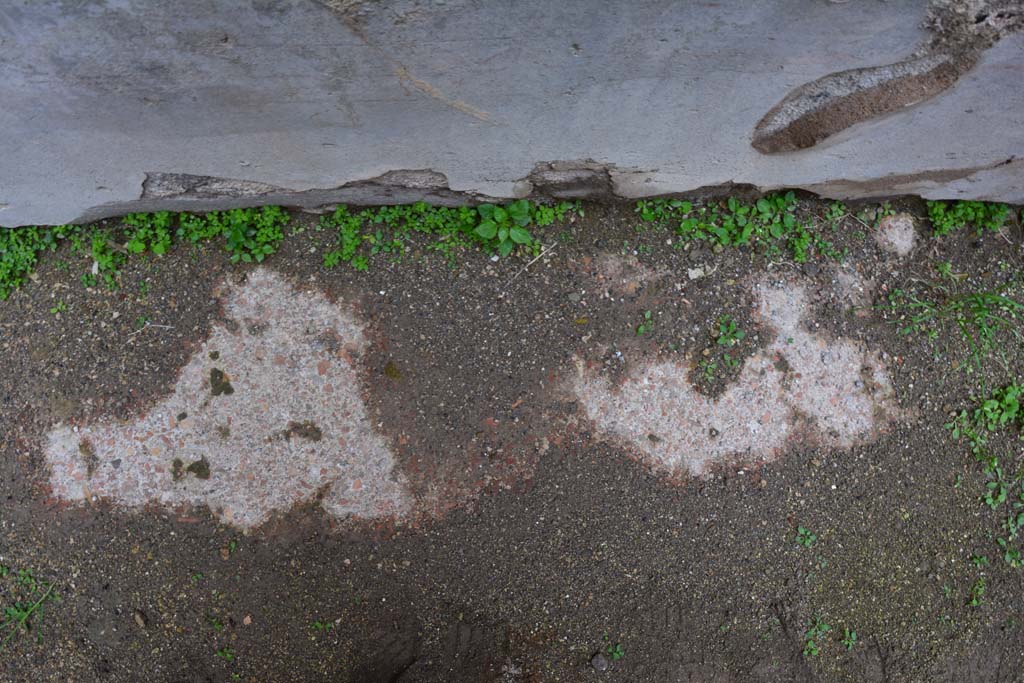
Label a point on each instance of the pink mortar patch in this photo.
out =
(803, 387)
(252, 427)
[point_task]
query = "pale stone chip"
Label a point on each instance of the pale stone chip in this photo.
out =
(896, 234)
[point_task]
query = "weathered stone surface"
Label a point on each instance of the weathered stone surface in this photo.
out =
(134, 105)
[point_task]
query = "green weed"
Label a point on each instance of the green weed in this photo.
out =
(816, 631)
(20, 249)
(805, 537)
(729, 333)
(947, 217)
(835, 213)
(148, 231)
(708, 369)
(496, 229)
(29, 597)
(254, 234)
(645, 326)
(504, 227)
(770, 222)
(977, 593)
(978, 317)
(1001, 410)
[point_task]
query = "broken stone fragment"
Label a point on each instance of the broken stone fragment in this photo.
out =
(896, 234)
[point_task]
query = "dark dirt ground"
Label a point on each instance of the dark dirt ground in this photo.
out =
(535, 559)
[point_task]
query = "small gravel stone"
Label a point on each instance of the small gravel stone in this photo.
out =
(599, 662)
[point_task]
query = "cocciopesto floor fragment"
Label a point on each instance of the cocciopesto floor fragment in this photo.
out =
(265, 416)
(803, 388)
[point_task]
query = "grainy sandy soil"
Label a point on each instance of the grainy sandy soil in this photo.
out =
(537, 525)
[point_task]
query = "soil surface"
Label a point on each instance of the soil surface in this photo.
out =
(539, 536)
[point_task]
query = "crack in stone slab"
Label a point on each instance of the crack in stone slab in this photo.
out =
(804, 388)
(291, 365)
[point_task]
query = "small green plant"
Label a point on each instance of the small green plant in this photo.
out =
(947, 217)
(646, 324)
(944, 269)
(250, 235)
(816, 631)
(729, 333)
(708, 369)
(616, 652)
(849, 638)
(349, 238)
(805, 537)
(871, 217)
(141, 322)
(29, 597)
(148, 231)
(979, 561)
(505, 227)
(977, 593)
(107, 260)
(322, 626)
(226, 653)
(769, 223)
(979, 317)
(1011, 556)
(494, 228)
(20, 249)
(254, 234)
(1001, 410)
(197, 228)
(59, 307)
(996, 489)
(835, 213)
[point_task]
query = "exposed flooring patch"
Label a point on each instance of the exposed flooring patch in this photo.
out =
(265, 416)
(803, 388)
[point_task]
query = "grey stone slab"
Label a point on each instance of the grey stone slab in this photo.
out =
(118, 105)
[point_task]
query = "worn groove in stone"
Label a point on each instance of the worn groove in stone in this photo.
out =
(824, 107)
